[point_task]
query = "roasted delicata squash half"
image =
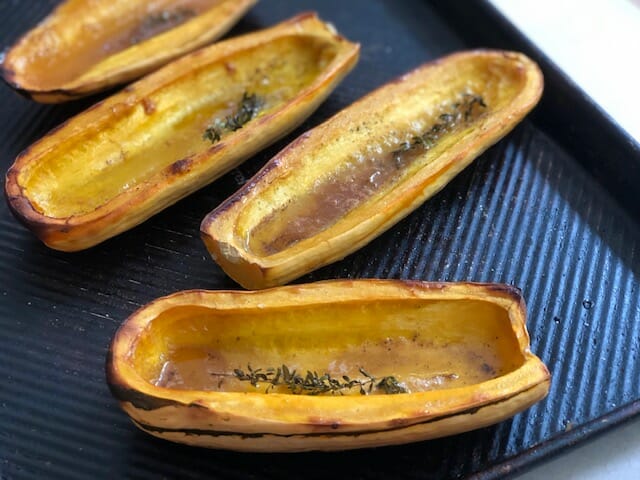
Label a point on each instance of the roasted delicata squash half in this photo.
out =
(160, 139)
(334, 365)
(348, 180)
(85, 46)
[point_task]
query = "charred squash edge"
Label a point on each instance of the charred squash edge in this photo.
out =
(131, 208)
(253, 270)
(220, 426)
(75, 89)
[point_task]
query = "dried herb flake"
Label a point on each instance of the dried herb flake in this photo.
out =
(313, 384)
(250, 106)
(468, 108)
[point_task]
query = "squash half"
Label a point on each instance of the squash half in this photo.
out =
(86, 46)
(175, 131)
(187, 367)
(343, 183)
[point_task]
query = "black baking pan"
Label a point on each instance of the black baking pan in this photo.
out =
(552, 209)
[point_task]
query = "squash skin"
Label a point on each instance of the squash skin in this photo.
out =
(142, 102)
(276, 422)
(226, 229)
(56, 37)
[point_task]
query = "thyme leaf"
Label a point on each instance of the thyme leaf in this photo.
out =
(250, 106)
(468, 108)
(313, 384)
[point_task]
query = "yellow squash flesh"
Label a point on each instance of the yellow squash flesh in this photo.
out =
(141, 150)
(460, 352)
(85, 46)
(348, 180)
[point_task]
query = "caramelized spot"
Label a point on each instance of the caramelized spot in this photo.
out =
(148, 105)
(400, 422)
(181, 166)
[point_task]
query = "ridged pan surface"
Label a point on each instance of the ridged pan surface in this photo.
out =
(527, 212)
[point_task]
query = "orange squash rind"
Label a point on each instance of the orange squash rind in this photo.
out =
(462, 351)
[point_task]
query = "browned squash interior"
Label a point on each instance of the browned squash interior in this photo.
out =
(65, 53)
(423, 344)
(382, 148)
(126, 150)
